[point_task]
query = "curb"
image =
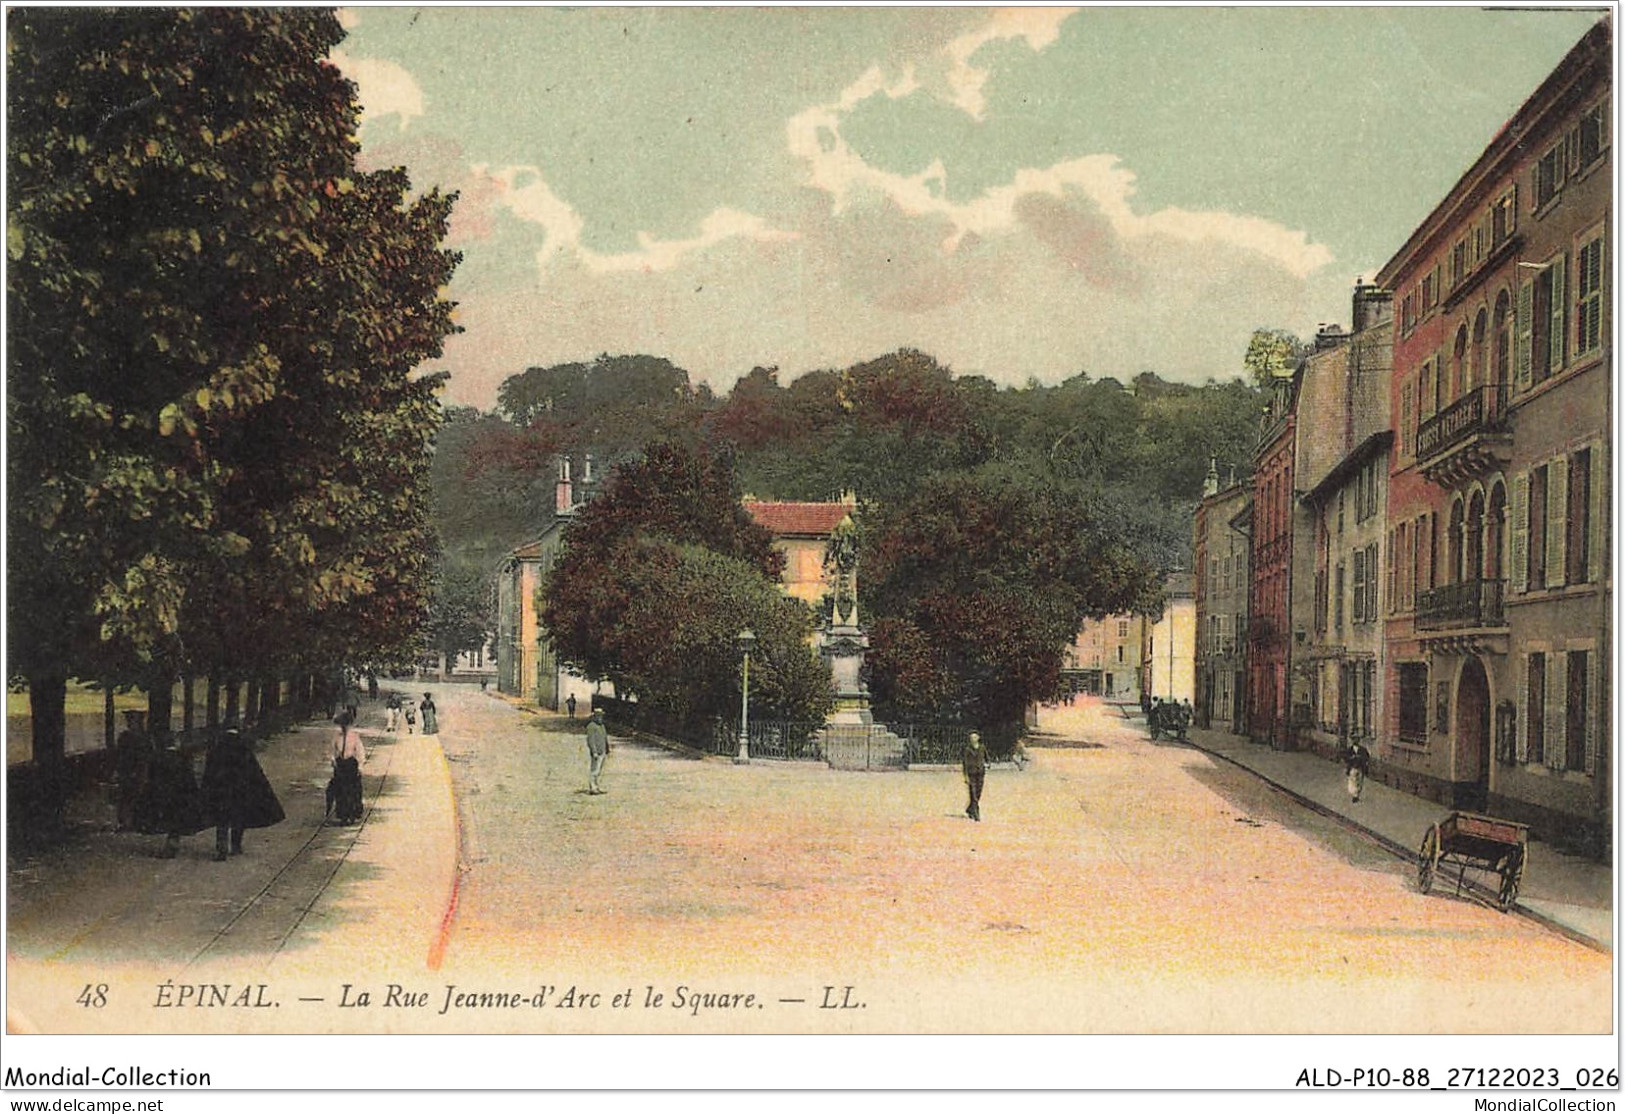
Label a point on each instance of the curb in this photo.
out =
(1402, 852)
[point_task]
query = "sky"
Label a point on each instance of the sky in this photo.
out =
(1023, 193)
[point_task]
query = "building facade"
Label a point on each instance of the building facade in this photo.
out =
(1221, 563)
(1104, 659)
(1170, 644)
(1271, 523)
(1343, 470)
(1498, 614)
(801, 531)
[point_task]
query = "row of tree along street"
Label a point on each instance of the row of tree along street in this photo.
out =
(991, 521)
(218, 452)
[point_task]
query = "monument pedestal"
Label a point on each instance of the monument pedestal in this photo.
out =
(851, 740)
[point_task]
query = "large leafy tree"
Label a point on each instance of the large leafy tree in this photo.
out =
(657, 577)
(214, 428)
(977, 584)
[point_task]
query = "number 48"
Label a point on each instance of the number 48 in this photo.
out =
(93, 997)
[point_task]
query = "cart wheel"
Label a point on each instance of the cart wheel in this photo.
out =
(1427, 859)
(1511, 876)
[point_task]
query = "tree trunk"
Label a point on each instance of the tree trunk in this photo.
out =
(251, 704)
(186, 704)
(160, 705)
(211, 714)
(47, 709)
(233, 709)
(109, 719)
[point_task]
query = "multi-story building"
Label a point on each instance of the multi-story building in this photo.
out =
(1170, 643)
(1104, 659)
(1221, 604)
(1270, 522)
(801, 531)
(1498, 491)
(526, 664)
(1343, 465)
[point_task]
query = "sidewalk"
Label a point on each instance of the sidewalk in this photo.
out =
(1569, 894)
(296, 902)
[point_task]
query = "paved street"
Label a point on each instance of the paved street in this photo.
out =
(1114, 885)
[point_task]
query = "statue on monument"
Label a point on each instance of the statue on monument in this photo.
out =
(841, 566)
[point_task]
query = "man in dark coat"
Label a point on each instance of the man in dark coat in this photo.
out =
(236, 793)
(974, 764)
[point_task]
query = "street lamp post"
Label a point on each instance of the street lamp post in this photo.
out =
(747, 639)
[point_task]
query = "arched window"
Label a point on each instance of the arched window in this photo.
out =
(1495, 532)
(1458, 365)
(1502, 365)
(1454, 539)
(1476, 372)
(1475, 537)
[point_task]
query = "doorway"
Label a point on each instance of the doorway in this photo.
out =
(1473, 736)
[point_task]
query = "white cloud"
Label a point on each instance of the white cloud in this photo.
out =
(1039, 26)
(384, 88)
(664, 255)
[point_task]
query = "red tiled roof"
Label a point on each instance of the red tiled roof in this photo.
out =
(799, 519)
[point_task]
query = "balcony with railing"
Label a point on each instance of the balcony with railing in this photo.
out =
(1469, 604)
(1468, 438)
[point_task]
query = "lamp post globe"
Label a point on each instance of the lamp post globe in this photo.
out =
(745, 641)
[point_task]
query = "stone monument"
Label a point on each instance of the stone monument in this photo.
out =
(850, 738)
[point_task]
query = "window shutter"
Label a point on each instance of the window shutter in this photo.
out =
(1559, 335)
(1520, 532)
(1557, 708)
(1520, 738)
(1525, 336)
(1557, 521)
(1573, 152)
(1373, 586)
(1599, 511)
(1594, 710)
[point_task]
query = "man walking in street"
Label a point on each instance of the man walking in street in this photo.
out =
(570, 703)
(974, 764)
(597, 749)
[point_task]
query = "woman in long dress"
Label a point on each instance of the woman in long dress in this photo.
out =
(431, 718)
(345, 789)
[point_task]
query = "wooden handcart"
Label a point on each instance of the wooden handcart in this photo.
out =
(1470, 840)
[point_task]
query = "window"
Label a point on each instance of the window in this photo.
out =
(1407, 313)
(1359, 586)
(1119, 653)
(1504, 217)
(1537, 527)
(1574, 743)
(1337, 598)
(1549, 174)
(1588, 299)
(1577, 548)
(1122, 628)
(1535, 711)
(1371, 574)
(1458, 263)
(1413, 701)
(1593, 133)
(1429, 296)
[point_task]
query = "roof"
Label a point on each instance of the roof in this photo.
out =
(1345, 468)
(807, 520)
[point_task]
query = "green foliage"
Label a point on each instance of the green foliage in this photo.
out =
(215, 322)
(979, 582)
(656, 578)
(1272, 354)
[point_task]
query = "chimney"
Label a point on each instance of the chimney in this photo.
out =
(1210, 486)
(1372, 305)
(564, 497)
